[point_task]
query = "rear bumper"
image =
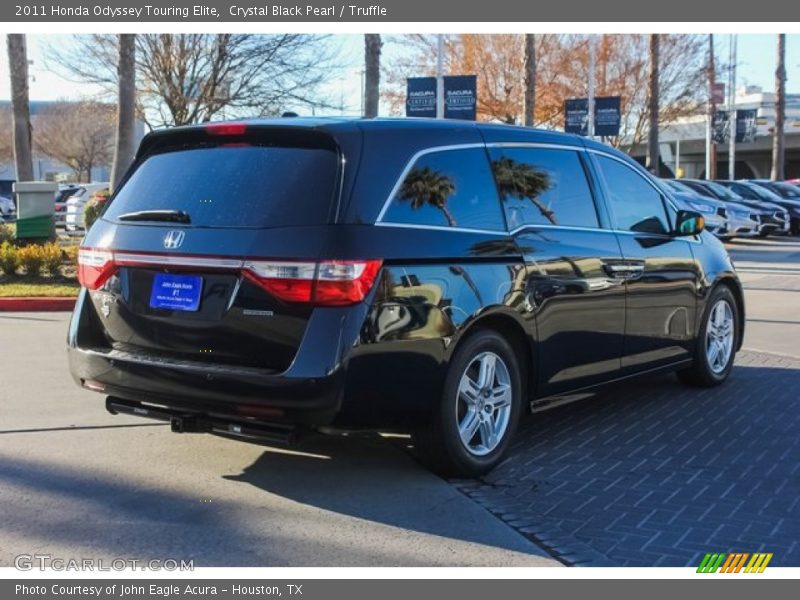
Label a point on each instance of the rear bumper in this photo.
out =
(211, 390)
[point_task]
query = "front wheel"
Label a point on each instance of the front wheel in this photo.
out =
(716, 345)
(477, 416)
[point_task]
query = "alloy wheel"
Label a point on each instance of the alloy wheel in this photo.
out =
(719, 336)
(483, 403)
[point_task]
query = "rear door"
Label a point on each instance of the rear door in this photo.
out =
(570, 256)
(660, 273)
(214, 239)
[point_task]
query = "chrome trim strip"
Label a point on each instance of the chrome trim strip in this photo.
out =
(410, 164)
(535, 145)
(442, 228)
(179, 261)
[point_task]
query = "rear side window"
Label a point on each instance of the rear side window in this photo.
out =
(543, 187)
(635, 203)
(234, 186)
(452, 188)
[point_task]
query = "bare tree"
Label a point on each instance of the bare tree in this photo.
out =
(21, 114)
(191, 78)
(653, 101)
(530, 79)
(780, 111)
(80, 135)
(372, 76)
(125, 146)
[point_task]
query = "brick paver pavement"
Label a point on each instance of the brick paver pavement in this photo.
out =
(652, 473)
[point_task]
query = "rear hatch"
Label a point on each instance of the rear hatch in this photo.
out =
(210, 250)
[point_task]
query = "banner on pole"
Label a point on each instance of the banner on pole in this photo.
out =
(607, 116)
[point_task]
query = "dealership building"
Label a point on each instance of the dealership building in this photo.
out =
(683, 144)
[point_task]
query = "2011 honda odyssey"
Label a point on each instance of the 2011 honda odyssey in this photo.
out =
(260, 279)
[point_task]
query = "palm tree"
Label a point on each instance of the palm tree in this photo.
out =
(372, 73)
(21, 114)
(125, 148)
(780, 111)
(521, 180)
(653, 102)
(530, 79)
(425, 186)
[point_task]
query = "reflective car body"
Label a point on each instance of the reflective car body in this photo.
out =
(270, 275)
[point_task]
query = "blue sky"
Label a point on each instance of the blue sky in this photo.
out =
(756, 66)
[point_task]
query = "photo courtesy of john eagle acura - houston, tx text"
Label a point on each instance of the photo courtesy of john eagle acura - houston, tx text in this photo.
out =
(430, 277)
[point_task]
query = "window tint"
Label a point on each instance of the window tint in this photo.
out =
(453, 188)
(543, 187)
(637, 205)
(234, 186)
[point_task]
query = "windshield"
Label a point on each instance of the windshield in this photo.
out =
(722, 191)
(234, 186)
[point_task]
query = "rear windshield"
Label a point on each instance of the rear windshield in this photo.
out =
(234, 186)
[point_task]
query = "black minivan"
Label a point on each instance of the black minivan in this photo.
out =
(266, 278)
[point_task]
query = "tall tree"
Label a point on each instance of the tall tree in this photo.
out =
(191, 78)
(372, 76)
(530, 79)
(21, 114)
(653, 104)
(125, 146)
(780, 111)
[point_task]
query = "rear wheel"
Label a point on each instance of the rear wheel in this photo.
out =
(478, 413)
(716, 344)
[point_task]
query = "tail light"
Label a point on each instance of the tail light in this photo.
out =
(94, 267)
(328, 283)
(225, 128)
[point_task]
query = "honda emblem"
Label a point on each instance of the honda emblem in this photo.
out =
(174, 239)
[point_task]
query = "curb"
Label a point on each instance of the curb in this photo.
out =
(36, 304)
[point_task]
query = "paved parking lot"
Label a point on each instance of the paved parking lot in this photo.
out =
(76, 482)
(648, 473)
(653, 473)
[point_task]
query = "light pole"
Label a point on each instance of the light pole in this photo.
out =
(732, 111)
(440, 76)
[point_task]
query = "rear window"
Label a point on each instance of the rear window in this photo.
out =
(234, 186)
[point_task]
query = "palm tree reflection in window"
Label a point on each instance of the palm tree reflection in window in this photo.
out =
(521, 180)
(425, 186)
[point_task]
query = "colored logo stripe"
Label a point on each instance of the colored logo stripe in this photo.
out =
(734, 562)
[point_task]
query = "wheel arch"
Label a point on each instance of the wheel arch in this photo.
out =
(511, 326)
(732, 283)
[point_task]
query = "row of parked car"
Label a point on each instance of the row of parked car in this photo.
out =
(744, 208)
(70, 201)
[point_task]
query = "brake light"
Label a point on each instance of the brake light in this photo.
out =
(327, 283)
(94, 267)
(226, 128)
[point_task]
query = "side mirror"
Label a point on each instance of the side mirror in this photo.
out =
(689, 223)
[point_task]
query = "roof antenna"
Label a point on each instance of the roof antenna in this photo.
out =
(289, 114)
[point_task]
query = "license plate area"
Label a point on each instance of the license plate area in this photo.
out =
(176, 292)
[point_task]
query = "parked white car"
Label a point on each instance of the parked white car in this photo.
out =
(76, 203)
(8, 210)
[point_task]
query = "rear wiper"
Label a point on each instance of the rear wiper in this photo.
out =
(174, 216)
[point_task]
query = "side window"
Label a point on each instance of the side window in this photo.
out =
(451, 188)
(540, 186)
(635, 204)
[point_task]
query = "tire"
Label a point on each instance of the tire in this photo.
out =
(439, 444)
(711, 368)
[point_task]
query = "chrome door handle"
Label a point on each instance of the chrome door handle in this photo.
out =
(625, 271)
